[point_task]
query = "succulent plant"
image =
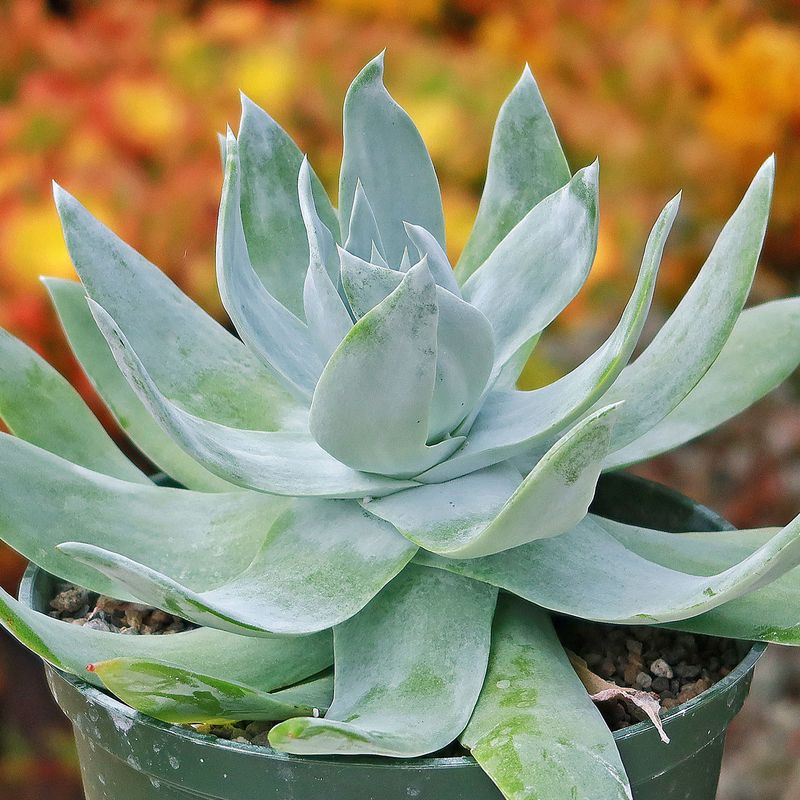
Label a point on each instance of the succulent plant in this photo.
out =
(361, 477)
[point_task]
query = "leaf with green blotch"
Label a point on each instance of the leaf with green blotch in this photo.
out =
(408, 671)
(277, 462)
(493, 509)
(383, 150)
(769, 614)
(273, 225)
(534, 730)
(204, 368)
(526, 163)
(373, 405)
(587, 572)
(269, 329)
(38, 405)
(510, 422)
(692, 338)
(179, 696)
(761, 353)
(539, 267)
(91, 350)
(320, 563)
(263, 663)
(45, 500)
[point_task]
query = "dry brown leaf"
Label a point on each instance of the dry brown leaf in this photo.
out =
(601, 690)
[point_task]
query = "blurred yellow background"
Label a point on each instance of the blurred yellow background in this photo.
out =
(119, 101)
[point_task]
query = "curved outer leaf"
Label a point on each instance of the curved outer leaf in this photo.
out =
(372, 403)
(588, 573)
(271, 331)
(526, 163)
(534, 730)
(181, 696)
(401, 183)
(363, 233)
(266, 664)
(326, 315)
(409, 669)
(510, 421)
(194, 360)
(45, 499)
(490, 511)
(273, 225)
(91, 350)
(38, 404)
(770, 614)
(282, 462)
(366, 284)
(699, 327)
(762, 351)
(539, 266)
(439, 264)
(321, 562)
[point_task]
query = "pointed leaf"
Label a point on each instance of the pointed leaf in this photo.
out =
(570, 574)
(697, 330)
(38, 404)
(265, 664)
(762, 351)
(383, 149)
(408, 671)
(534, 730)
(539, 266)
(91, 350)
(280, 462)
(439, 264)
(363, 233)
(321, 562)
(45, 500)
(491, 510)
(273, 225)
(526, 163)
(372, 403)
(512, 421)
(194, 360)
(181, 696)
(269, 329)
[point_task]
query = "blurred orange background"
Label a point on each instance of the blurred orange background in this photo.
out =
(119, 102)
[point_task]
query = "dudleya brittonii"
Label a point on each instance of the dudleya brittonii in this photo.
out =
(360, 461)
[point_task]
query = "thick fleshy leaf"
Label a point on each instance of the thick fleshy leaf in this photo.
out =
(526, 163)
(45, 500)
(492, 510)
(181, 696)
(321, 562)
(539, 266)
(363, 233)
(38, 404)
(326, 315)
(265, 664)
(281, 462)
(762, 351)
(511, 421)
(534, 730)
(269, 329)
(383, 149)
(193, 359)
(91, 350)
(409, 669)
(699, 327)
(273, 225)
(439, 264)
(589, 573)
(371, 407)
(769, 614)
(365, 283)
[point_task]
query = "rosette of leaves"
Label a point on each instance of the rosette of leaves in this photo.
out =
(362, 478)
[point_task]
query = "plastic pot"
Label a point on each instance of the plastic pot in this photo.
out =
(127, 756)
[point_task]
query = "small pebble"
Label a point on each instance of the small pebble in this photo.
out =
(661, 669)
(70, 600)
(643, 681)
